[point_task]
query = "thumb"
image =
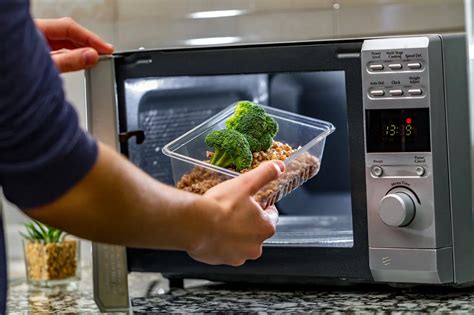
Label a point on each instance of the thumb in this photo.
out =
(253, 181)
(73, 60)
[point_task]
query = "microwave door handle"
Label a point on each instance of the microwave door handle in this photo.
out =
(138, 134)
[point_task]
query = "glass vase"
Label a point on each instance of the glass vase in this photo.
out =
(52, 264)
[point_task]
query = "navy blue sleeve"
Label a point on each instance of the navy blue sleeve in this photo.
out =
(43, 151)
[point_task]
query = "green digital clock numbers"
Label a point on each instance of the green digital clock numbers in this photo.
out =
(393, 130)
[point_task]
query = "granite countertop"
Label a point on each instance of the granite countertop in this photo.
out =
(150, 293)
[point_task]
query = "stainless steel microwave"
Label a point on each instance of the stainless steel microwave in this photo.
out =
(393, 200)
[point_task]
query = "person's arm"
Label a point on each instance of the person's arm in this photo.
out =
(43, 152)
(58, 174)
(118, 203)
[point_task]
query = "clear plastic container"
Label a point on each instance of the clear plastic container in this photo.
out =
(192, 172)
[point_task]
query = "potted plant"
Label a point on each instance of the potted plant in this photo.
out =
(50, 258)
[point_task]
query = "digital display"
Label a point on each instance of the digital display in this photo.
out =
(398, 130)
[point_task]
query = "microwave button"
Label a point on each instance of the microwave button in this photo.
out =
(396, 92)
(377, 93)
(420, 170)
(376, 67)
(377, 171)
(414, 65)
(395, 66)
(415, 92)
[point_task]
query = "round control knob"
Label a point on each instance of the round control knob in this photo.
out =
(397, 209)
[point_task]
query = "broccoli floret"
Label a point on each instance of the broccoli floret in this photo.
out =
(257, 126)
(242, 108)
(272, 126)
(231, 148)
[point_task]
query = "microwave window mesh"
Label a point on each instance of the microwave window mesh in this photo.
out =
(162, 126)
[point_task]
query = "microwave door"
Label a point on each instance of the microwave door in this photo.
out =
(322, 231)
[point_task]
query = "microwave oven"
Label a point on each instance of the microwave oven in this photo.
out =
(392, 201)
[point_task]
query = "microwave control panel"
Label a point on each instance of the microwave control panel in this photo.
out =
(402, 90)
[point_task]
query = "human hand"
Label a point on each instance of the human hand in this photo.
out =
(238, 224)
(73, 47)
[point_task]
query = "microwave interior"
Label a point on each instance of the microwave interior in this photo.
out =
(322, 225)
(318, 214)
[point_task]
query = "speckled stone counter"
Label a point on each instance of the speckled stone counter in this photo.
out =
(150, 293)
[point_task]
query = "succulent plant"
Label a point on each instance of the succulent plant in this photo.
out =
(38, 232)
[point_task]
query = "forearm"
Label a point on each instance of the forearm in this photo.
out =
(118, 203)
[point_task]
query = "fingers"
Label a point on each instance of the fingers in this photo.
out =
(255, 253)
(68, 29)
(77, 59)
(254, 180)
(271, 214)
(268, 229)
(62, 44)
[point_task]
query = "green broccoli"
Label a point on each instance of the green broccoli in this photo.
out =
(230, 148)
(257, 126)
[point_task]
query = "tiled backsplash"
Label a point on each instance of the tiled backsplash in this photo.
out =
(158, 23)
